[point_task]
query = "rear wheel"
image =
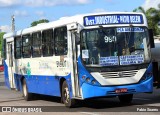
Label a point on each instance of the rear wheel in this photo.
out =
(126, 98)
(27, 96)
(66, 98)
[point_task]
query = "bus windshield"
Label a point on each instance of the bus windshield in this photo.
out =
(115, 46)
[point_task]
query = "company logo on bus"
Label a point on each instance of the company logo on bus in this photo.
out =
(120, 74)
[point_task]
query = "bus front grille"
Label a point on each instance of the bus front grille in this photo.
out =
(119, 74)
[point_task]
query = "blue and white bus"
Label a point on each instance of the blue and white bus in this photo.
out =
(81, 57)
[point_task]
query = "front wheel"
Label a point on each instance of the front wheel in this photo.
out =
(66, 98)
(126, 98)
(27, 96)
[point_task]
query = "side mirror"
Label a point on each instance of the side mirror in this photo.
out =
(151, 39)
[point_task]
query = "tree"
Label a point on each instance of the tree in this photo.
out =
(153, 17)
(39, 21)
(1, 42)
(139, 9)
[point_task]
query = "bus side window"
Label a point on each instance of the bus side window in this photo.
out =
(18, 47)
(47, 42)
(60, 35)
(4, 49)
(26, 43)
(36, 44)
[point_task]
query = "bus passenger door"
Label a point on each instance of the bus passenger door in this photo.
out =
(74, 59)
(10, 56)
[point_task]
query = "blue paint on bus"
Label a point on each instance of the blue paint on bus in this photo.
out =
(6, 75)
(90, 91)
(83, 72)
(47, 85)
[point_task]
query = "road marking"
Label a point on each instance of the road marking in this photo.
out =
(89, 113)
(141, 99)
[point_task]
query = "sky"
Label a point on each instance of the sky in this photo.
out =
(27, 11)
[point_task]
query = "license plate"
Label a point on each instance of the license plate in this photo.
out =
(123, 90)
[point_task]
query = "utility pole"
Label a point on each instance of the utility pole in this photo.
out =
(13, 23)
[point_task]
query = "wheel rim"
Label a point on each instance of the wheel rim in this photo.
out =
(66, 95)
(24, 89)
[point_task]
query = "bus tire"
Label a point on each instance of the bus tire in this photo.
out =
(27, 96)
(66, 96)
(126, 98)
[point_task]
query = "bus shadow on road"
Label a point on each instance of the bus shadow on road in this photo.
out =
(46, 98)
(104, 103)
(142, 100)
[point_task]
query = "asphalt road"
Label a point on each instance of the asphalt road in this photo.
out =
(141, 104)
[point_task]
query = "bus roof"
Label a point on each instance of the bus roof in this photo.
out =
(66, 20)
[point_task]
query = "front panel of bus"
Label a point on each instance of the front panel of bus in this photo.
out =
(114, 59)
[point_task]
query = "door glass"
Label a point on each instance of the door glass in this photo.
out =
(10, 55)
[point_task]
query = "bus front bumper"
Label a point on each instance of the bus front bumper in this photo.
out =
(90, 91)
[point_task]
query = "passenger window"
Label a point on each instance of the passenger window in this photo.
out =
(36, 44)
(60, 35)
(26, 43)
(18, 47)
(47, 42)
(4, 49)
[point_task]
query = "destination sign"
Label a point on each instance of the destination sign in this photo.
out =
(113, 19)
(133, 29)
(109, 61)
(131, 59)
